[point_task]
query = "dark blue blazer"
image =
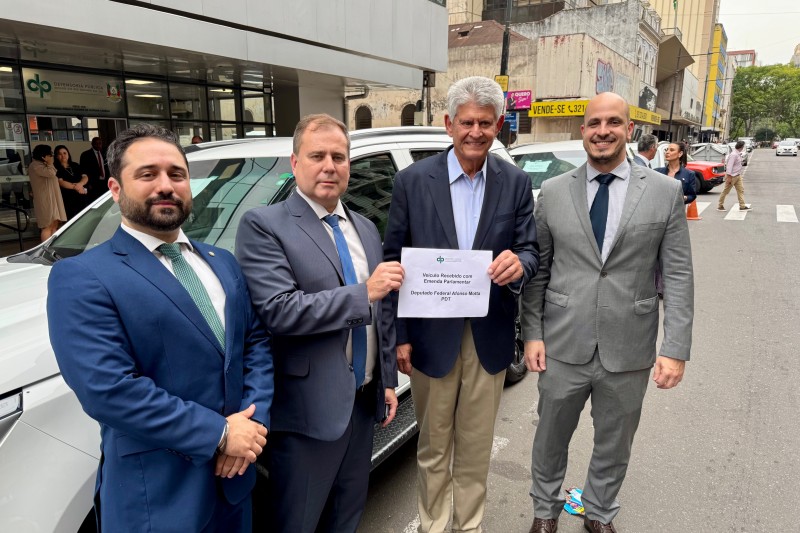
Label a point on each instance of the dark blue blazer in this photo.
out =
(421, 216)
(687, 179)
(144, 363)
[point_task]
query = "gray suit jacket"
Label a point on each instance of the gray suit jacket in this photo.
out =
(639, 160)
(297, 286)
(576, 302)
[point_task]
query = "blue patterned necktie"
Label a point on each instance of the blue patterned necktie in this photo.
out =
(598, 214)
(188, 278)
(349, 271)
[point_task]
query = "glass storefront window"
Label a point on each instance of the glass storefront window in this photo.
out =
(223, 132)
(10, 89)
(224, 104)
(187, 130)
(14, 155)
(146, 99)
(187, 102)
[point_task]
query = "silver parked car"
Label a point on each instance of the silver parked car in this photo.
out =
(49, 448)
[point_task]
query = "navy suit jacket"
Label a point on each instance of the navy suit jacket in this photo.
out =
(297, 286)
(421, 216)
(687, 179)
(144, 363)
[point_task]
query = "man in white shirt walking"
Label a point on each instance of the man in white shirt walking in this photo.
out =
(733, 178)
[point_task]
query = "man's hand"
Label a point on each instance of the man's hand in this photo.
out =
(728, 179)
(228, 466)
(387, 277)
(246, 438)
(404, 358)
(668, 372)
(391, 401)
(506, 268)
(535, 356)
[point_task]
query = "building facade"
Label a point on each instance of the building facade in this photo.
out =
(219, 69)
(743, 58)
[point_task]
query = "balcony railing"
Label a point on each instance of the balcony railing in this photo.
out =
(674, 31)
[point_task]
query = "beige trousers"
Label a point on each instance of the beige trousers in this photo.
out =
(736, 181)
(456, 416)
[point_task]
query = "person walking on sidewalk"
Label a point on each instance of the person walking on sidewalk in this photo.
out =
(733, 178)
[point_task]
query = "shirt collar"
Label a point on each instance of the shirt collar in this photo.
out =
(320, 211)
(152, 243)
(622, 171)
(454, 170)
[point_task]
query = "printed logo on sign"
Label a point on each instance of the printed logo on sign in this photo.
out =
(113, 92)
(36, 85)
(440, 259)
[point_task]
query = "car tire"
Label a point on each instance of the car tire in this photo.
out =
(699, 184)
(517, 370)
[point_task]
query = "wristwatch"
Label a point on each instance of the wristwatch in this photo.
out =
(223, 441)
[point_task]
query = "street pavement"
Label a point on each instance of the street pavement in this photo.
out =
(721, 452)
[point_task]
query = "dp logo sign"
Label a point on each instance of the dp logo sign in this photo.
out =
(36, 85)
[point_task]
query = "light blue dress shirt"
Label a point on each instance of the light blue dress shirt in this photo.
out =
(467, 197)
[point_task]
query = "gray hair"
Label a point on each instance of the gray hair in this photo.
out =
(117, 149)
(479, 90)
(647, 142)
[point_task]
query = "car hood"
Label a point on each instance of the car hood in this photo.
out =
(702, 164)
(25, 353)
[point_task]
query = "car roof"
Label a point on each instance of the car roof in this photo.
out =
(282, 146)
(547, 147)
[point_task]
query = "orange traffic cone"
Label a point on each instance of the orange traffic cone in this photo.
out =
(691, 211)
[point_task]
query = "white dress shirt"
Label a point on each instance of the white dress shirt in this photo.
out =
(361, 266)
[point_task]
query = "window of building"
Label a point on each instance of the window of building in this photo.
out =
(224, 104)
(10, 89)
(407, 115)
(523, 122)
(363, 118)
(146, 99)
(187, 102)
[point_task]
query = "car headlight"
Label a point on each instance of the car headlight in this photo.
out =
(10, 405)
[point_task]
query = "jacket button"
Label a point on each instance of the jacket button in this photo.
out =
(350, 367)
(603, 274)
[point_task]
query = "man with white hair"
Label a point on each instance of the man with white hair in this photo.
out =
(462, 199)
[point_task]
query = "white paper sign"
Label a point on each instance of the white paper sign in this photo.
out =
(444, 283)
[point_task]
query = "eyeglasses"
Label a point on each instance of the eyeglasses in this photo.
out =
(470, 124)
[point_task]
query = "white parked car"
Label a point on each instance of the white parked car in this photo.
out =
(786, 147)
(49, 448)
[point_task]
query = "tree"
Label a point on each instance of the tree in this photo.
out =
(766, 98)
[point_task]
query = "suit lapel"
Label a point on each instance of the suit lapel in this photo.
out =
(580, 201)
(439, 186)
(491, 198)
(142, 261)
(636, 187)
(311, 225)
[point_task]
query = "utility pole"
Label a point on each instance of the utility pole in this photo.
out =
(505, 133)
(677, 64)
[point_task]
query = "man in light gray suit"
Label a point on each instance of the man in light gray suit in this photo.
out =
(315, 274)
(590, 315)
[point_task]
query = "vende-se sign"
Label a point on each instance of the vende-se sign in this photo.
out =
(518, 100)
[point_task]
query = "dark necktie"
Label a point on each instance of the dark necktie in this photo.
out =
(598, 214)
(188, 278)
(349, 271)
(100, 164)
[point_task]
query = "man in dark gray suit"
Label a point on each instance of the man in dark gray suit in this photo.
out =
(648, 145)
(315, 273)
(590, 315)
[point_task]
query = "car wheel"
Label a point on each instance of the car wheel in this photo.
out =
(517, 369)
(699, 184)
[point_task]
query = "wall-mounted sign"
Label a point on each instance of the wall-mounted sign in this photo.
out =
(513, 124)
(518, 100)
(558, 108)
(502, 81)
(644, 115)
(50, 92)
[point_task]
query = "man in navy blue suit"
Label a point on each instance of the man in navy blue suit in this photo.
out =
(463, 199)
(157, 337)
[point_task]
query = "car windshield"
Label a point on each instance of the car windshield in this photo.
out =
(223, 190)
(787, 143)
(544, 165)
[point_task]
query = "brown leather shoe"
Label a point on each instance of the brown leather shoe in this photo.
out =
(544, 525)
(596, 526)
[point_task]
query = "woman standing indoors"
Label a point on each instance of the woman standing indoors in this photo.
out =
(47, 203)
(72, 181)
(676, 168)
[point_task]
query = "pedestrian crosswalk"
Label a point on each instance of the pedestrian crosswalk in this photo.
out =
(783, 213)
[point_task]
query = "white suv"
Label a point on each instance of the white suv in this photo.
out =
(49, 448)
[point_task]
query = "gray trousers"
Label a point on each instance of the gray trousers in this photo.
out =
(616, 408)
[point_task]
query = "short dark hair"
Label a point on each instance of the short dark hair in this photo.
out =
(647, 142)
(117, 149)
(40, 151)
(319, 120)
(739, 145)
